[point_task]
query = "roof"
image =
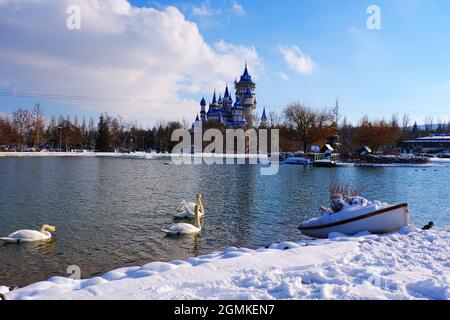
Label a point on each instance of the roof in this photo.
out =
(246, 77)
(326, 148)
(264, 117)
(237, 104)
(227, 93)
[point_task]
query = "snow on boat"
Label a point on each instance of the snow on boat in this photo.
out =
(297, 160)
(359, 216)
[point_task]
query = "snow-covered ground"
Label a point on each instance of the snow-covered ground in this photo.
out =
(405, 265)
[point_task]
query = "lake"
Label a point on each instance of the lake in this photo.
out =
(109, 212)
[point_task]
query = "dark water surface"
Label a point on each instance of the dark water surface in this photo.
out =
(108, 212)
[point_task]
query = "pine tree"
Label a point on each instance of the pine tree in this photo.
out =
(103, 141)
(415, 130)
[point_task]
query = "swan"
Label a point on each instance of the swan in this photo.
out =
(183, 205)
(187, 209)
(30, 235)
(186, 228)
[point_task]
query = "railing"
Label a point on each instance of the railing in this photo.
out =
(322, 156)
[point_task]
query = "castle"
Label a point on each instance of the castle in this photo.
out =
(239, 114)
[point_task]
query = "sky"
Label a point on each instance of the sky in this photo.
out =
(149, 61)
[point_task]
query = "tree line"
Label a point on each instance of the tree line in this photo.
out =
(300, 128)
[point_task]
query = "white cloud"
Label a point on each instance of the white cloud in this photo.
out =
(238, 9)
(120, 51)
(202, 11)
(283, 76)
(296, 59)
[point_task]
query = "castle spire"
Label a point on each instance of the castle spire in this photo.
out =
(227, 93)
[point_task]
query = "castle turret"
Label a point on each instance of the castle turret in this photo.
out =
(264, 122)
(245, 91)
(197, 123)
(203, 110)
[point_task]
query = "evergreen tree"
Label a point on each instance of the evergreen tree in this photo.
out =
(103, 140)
(415, 130)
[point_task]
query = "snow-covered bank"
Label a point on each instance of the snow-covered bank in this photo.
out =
(405, 265)
(440, 160)
(394, 165)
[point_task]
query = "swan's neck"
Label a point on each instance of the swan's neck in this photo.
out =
(197, 219)
(46, 233)
(200, 205)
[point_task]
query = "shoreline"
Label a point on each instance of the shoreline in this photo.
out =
(409, 264)
(435, 162)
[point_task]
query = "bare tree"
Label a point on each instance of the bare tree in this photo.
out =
(275, 119)
(311, 126)
(428, 124)
(38, 124)
(23, 121)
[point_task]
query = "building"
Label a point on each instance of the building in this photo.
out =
(233, 114)
(433, 144)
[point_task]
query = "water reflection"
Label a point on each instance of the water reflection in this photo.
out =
(41, 247)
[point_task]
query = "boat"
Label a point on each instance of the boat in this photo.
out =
(297, 160)
(371, 217)
(325, 163)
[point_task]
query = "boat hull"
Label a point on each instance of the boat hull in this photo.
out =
(297, 161)
(324, 164)
(386, 220)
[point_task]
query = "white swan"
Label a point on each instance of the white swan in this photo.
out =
(187, 209)
(186, 228)
(30, 235)
(183, 205)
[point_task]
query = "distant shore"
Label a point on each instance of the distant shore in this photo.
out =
(153, 155)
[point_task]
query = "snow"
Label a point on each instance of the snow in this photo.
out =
(410, 264)
(4, 290)
(440, 160)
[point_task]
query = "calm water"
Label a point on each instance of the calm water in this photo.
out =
(108, 212)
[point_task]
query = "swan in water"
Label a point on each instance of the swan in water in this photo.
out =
(30, 235)
(186, 228)
(183, 205)
(187, 209)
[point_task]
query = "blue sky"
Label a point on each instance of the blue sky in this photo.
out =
(402, 68)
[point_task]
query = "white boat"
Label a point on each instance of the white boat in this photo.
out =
(357, 219)
(297, 160)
